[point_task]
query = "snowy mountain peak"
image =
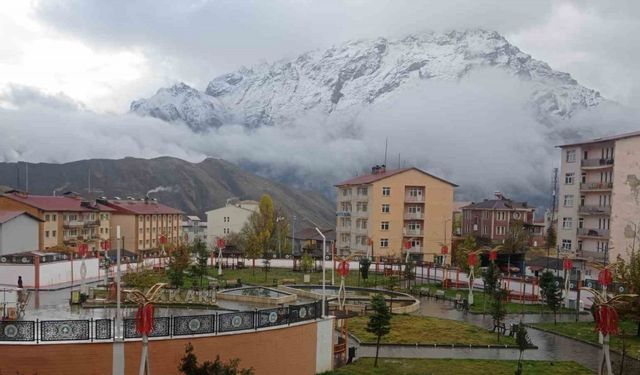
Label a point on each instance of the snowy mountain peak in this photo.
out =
(182, 102)
(341, 81)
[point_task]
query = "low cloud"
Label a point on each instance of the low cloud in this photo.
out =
(478, 133)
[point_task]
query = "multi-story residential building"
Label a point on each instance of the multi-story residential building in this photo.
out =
(395, 213)
(18, 232)
(492, 218)
(67, 220)
(599, 197)
(194, 229)
(143, 221)
(229, 219)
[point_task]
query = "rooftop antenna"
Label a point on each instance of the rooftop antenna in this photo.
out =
(386, 146)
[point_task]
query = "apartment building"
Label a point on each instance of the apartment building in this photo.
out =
(599, 197)
(194, 229)
(67, 220)
(394, 213)
(229, 219)
(492, 218)
(143, 221)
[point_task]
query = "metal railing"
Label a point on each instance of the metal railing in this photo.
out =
(596, 186)
(594, 210)
(207, 324)
(412, 232)
(592, 232)
(597, 162)
(73, 223)
(414, 198)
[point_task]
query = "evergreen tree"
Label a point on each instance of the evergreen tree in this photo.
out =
(498, 307)
(379, 321)
(178, 263)
(551, 293)
(189, 365)
(491, 282)
(199, 249)
(522, 340)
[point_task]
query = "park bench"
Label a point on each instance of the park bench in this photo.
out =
(499, 327)
(240, 265)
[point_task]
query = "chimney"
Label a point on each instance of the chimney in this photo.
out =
(499, 195)
(146, 199)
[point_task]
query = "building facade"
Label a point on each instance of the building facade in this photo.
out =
(194, 229)
(492, 218)
(394, 213)
(19, 232)
(143, 221)
(229, 219)
(68, 220)
(599, 197)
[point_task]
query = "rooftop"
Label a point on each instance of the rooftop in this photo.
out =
(603, 139)
(57, 203)
(311, 234)
(498, 204)
(141, 207)
(8, 215)
(384, 173)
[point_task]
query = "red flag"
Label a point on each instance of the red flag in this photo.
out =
(220, 243)
(606, 318)
(407, 245)
(472, 259)
(144, 319)
(567, 264)
(493, 255)
(343, 268)
(605, 278)
(444, 250)
(163, 239)
(82, 249)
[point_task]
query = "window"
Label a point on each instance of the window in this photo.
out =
(571, 156)
(53, 233)
(501, 215)
(344, 237)
(568, 178)
(485, 214)
(414, 209)
(384, 242)
(500, 230)
(602, 247)
(386, 191)
(346, 192)
(363, 191)
(361, 207)
(414, 226)
(567, 223)
(384, 225)
(568, 200)
(386, 208)
(47, 218)
(566, 245)
(46, 234)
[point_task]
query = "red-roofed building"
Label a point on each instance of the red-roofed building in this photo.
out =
(395, 213)
(67, 220)
(143, 221)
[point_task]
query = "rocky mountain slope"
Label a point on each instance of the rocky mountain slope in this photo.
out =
(339, 82)
(192, 187)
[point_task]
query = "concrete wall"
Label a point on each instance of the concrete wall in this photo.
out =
(216, 224)
(9, 274)
(625, 199)
(290, 350)
(50, 273)
(569, 189)
(19, 234)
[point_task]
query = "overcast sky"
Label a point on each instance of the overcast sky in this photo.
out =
(106, 53)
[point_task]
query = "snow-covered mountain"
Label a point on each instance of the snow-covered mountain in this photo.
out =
(342, 81)
(181, 102)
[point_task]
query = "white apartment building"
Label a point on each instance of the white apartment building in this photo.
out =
(229, 219)
(598, 200)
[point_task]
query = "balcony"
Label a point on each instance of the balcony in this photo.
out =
(414, 198)
(92, 223)
(361, 231)
(414, 250)
(412, 232)
(360, 214)
(594, 210)
(413, 215)
(591, 255)
(362, 198)
(596, 163)
(596, 186)
(593, 233)
(73, 223)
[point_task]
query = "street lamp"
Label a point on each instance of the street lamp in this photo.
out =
(324, 255)
(279, 219)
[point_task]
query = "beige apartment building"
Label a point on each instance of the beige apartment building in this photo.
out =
(67, 220)
(143, 221)
(598, 200)
(387, 210)
(229, 219)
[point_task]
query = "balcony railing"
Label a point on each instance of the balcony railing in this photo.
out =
(591, 255)
(92, 223)
(73, 223)
(414, 250)
(594, 210)
(596, 163)
(414, 198)
(360, 214)
(412, 232)
(413, 215)
(592, 232)
(596, 186)
(360, 230)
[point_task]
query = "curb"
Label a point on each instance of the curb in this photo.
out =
(443, 346)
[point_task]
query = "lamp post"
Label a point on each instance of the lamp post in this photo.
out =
(293, 239)
(324, 281)
(279, 219)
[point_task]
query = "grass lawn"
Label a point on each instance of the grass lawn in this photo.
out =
(479, 297)
(411, 329)
(585, 331)
(415, 366)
